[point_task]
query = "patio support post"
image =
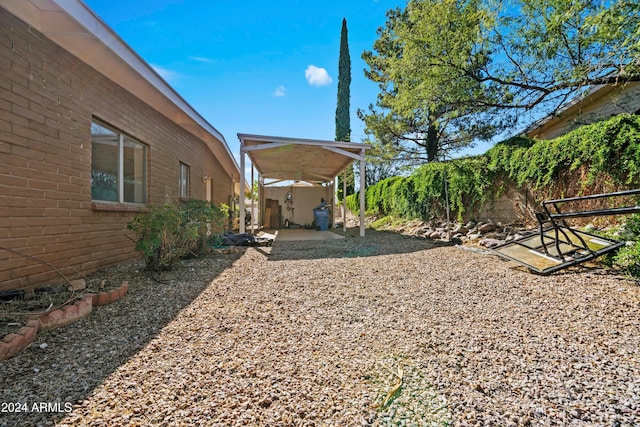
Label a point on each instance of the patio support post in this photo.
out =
(261, 202)
(344, 200)
(363, 187)
(253, 196)
(242, 184)
(232, 201)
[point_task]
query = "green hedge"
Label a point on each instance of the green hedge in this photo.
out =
(607, 151)
(422, 195)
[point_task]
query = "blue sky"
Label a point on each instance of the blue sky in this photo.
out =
(260, 67)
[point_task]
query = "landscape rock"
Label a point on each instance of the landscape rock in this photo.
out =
(460, 229)
(490, 243)
(487, 227)
(321, 332)
(422, 231)
(435, 235)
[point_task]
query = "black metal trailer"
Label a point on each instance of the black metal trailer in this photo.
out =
(559, 246)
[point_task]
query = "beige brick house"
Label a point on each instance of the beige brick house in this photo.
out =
(89, 135)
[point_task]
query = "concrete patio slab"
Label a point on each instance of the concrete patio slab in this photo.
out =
(288, 234)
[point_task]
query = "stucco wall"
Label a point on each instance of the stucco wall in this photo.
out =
(304, 200)
(622, 99)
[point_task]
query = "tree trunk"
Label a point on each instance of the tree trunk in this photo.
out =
(432, 143)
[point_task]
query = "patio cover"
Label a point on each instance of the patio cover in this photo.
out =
(300, 159)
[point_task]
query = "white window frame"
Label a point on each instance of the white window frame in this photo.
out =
(121, 141)
(184, 181)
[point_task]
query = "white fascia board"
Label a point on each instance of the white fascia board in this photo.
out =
(301, 141)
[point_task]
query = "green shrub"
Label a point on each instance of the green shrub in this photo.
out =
(607, 149)
(422, 195)
(172, 231)
(200, 219)
(156, 231)
(627, 259)
(633, 224)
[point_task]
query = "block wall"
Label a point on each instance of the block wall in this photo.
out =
(508, 208)
(48, 99)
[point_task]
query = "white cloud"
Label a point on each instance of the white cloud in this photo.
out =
(317, 76)
(166, 74)
(202, 59)
(280, 91)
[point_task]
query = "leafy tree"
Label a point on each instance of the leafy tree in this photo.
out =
(381, 163)
(343, 119)
(425, 110)
(546, 51)
(452, 71)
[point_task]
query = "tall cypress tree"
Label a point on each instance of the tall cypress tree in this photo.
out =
(343, 121)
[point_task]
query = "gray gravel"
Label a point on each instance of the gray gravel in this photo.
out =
(383, 330)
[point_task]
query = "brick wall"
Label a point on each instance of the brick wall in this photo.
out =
(47, 101)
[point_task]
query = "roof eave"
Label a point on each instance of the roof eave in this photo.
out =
(77, 29)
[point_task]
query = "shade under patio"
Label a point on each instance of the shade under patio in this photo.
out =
(300, 159)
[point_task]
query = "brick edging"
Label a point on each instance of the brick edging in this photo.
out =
(13, 344)
(108, 297)
(64, 316)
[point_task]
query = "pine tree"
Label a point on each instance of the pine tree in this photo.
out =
(343, 120)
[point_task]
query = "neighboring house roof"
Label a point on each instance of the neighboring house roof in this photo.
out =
(77, 29)
(599, 102)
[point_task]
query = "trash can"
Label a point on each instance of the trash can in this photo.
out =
(321, 218)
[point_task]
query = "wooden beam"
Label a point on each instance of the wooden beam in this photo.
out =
(264, 146)
(344, 153)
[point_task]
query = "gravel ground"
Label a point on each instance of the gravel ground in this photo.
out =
(383, 330)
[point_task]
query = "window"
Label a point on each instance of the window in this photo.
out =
(209, 189)
(184, 181)
(118, 166)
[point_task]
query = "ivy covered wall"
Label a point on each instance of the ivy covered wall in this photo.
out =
(596, 158)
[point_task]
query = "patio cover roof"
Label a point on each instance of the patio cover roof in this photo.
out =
(299, 159)
(311, 160)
